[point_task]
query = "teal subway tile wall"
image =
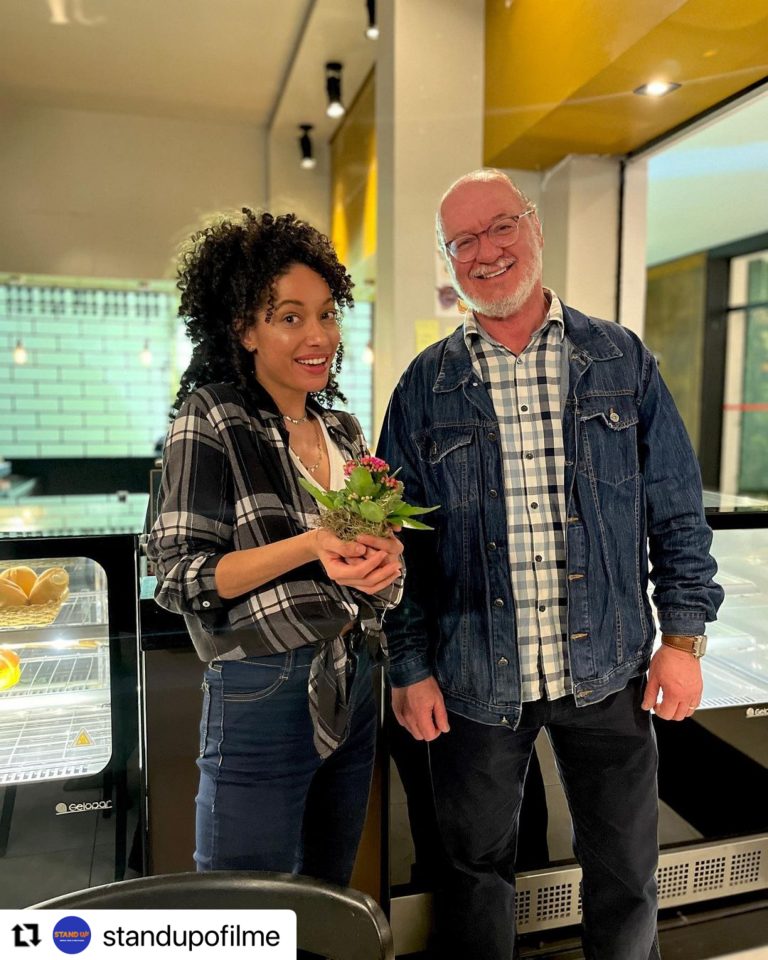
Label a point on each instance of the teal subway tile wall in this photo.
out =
(100, 370)
(356, 379)
(88, 389)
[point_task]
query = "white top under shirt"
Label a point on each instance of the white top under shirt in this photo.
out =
(335, 459)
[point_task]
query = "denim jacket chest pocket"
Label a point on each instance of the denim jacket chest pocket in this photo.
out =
(608, 438)
(445, 455)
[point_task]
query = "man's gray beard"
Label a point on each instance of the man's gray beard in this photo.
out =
(503, 306)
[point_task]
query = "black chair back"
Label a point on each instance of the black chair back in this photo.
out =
(331, 921)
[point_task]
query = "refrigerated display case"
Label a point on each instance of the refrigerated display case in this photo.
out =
(70, 764)
(713, 772)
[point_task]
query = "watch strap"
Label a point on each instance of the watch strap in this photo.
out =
(695, 645)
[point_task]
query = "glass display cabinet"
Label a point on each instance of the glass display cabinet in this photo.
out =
(713, 774)
(55, 697)
(70, 786)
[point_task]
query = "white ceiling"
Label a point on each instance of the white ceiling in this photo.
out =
(209, 60)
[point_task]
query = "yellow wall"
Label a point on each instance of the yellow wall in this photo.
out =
(674, 331)
(353, 191)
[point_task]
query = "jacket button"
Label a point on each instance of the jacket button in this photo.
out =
(491, 544)
(524, 408)
(206, 603)
(433, 450)
(493, 493)
(538, 558)
(534, 505)
(502, 661)
(498, 602)
(529, 456)
(491, 435)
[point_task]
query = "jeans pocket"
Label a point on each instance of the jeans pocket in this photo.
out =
(254, 678)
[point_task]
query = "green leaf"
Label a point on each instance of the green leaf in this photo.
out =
(372, 511)
(360, 482)
(414, 524)
(406, 510)
(320, 495)
(353, 506)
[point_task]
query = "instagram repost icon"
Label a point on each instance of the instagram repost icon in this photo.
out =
(71, 935)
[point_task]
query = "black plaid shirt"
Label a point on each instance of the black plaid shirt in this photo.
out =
(229, 484)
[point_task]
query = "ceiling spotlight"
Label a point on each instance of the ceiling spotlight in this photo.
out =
(335, 108)
(308, 161)
(656, 88)
(20, 353)
(372, 30)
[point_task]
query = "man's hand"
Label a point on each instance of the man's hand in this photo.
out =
(420, 708)
(677, 675)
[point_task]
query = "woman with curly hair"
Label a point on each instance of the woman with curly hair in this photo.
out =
(286, 616)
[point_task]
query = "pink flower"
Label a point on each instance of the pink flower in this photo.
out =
(373, 464)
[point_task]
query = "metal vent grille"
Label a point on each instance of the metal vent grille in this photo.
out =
(745, 867)
(554, 902)
(552, 898)
(672, 881)
(708, 874)
(523, 907)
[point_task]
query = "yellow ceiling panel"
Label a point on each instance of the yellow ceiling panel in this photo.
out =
(560, 75)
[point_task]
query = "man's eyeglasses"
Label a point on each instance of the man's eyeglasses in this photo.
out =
(503, 233)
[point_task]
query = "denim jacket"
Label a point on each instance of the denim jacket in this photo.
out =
(633, 496)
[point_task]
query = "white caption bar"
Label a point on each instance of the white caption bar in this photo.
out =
(162, 934)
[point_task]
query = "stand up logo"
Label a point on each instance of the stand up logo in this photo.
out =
(71, 935)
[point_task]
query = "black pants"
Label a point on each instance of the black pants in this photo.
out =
(607, 760)
(412, 761)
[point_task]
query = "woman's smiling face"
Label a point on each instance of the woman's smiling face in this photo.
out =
(293, 347)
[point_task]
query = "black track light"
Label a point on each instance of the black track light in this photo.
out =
(372, 30)
(308, 161)
(335, 108)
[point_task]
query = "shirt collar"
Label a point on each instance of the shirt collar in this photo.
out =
(554, 317)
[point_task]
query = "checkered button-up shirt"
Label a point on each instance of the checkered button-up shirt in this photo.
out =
(525, 392)
(229, 484)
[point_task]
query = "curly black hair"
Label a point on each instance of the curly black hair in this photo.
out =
(227, 272)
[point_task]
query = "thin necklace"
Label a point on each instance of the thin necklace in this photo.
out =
(313, 466)
(297, 422)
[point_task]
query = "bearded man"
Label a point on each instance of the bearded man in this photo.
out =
(564, 473)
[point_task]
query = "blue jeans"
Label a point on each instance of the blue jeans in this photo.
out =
(607, 760)
(266, 800)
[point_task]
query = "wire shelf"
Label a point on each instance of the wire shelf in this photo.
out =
(55, 745)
